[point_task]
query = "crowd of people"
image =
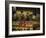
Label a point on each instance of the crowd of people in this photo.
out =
(20, 17)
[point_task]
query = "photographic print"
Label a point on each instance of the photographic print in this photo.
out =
(25, 19)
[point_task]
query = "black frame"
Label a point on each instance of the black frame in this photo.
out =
(7, 17)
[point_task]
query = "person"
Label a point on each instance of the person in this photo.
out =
(27, 16)
(22, 16)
